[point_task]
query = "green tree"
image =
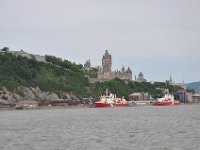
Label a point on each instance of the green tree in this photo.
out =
(5, 49)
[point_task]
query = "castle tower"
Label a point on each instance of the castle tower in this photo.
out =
(105, 72)
(107, 62)
(107, 65)
(129, 74)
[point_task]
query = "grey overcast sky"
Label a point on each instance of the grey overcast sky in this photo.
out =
(156, 37)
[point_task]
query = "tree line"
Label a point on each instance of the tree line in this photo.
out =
(64, 76)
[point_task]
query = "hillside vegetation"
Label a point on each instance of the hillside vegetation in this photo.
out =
(194, 86)
(64, 76)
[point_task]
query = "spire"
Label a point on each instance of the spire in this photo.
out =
(128, 70)
(170, 78)
(123, 69)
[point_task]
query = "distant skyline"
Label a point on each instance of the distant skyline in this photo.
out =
(157, 37)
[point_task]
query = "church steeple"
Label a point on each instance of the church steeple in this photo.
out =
(170, 78)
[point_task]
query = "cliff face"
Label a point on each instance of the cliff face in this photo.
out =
(29, 94)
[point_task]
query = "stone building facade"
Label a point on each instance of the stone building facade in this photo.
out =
(105, 71)
(87, 65)
(141, 78)
(29, 56)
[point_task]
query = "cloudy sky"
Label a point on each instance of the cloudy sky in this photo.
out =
(156, 37)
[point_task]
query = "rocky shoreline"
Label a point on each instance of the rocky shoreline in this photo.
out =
(34, 97)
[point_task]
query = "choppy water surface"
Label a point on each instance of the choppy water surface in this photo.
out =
(133, 128)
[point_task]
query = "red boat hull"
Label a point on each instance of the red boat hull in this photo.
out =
(110, 105)
(166, 103)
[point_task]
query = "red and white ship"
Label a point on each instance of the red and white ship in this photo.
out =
(167, 100)
(111, 101)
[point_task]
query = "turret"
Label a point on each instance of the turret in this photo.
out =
(123, 69)
(129, 70)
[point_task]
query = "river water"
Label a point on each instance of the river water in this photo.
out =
(132, 128)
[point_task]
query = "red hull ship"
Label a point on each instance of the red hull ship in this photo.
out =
(166, 103)
(167, 100)
(100, 104)
(111, 101)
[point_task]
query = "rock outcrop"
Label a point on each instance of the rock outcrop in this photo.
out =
(31, 94)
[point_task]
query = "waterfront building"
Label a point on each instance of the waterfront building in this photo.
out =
(139, 96)
(183, 96)
(196, 98)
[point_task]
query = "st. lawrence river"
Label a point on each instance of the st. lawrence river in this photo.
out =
(128, 128)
